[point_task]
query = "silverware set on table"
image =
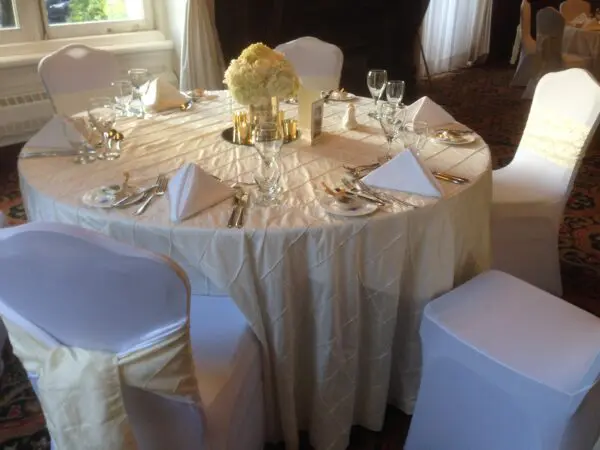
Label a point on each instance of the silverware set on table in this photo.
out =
(240, 204)
(354, 187)
(144, 197)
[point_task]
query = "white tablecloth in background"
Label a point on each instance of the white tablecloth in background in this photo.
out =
(582, 42)
(335, 302)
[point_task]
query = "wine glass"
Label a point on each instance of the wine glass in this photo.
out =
(123, 96)
(77, 142)
(268, 139)
(376, 80)
(394, 91)
(388, 119)
(418, 131)
(138, 78)
(103, 116)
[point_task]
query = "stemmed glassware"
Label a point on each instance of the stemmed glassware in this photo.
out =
(77, 141)
(394, 91)
(123, 96)
(419, 131)
(376, 81)
(268, 139)
(102, 117)
(138, 78)
(388, 120)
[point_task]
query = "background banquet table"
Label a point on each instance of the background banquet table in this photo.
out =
(584, 42)
(336, 303)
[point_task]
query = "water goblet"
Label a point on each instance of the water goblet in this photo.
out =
(418, 131)
(394, 91)
(123, 96)
(268, 139)
(376, 81)
(139, 79)
(77, 142)
(388, 119)
(103, 116)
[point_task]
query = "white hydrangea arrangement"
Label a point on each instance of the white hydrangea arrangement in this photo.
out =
(259, 74)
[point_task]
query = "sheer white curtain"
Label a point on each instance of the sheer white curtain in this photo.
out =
(202, 64)
(456, 32)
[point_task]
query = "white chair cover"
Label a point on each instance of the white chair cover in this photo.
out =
(525, 68)
(76, 72)
(571, 9)
(507, 366)
(317, 63)
(549, 56)
(529, 195)
(105, 335)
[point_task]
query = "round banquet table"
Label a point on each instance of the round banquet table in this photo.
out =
(584, 42)
(336, 303)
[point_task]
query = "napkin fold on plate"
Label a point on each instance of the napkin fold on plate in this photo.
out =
(56, 136)
(162, 95)
(581, 19)
(427, 110)
(192, 190)
(406, 173)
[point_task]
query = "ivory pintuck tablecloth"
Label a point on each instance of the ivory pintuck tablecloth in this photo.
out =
(335, 302)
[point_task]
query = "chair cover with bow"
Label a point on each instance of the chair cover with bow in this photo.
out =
(529, 195)
(527, 43)
(106, 336)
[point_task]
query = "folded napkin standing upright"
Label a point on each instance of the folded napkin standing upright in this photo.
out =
(192, 190)
(161, 95)
(427, 110)
(56, 136)
(406, 173)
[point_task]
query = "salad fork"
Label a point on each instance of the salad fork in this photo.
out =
(159, 191)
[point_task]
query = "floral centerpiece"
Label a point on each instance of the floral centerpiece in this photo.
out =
(259, 78)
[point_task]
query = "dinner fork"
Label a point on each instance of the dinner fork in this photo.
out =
(161, 188)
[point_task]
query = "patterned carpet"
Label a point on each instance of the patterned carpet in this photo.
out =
(479, 97)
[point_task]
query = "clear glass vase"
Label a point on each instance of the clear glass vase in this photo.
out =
(266, 111)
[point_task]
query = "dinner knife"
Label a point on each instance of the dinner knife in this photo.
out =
(450, 178)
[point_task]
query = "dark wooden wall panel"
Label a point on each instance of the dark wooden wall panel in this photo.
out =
(371, 33)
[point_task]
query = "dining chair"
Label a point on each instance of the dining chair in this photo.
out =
(76, 72)
(526, 62)
(530, 194)
(118, 354)
(506, 366)
(317, 63)
(549, 56)
(571, 9)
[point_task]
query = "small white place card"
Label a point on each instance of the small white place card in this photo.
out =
(316, 120)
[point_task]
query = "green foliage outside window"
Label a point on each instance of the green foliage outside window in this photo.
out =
(87, 10)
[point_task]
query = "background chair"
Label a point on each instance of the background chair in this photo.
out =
(570, 9)
(318, 63)
(529, 195)
(507, 366)
(549, 56)
(525, 67)
(96, 294)
(76, 72)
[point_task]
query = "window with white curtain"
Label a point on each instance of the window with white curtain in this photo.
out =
(34, 20)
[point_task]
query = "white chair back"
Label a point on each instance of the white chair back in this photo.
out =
(86, 290)
(317, 63)
(562, 121)
(571, 9)
(527, 39)
(550, 31)
(76, 72)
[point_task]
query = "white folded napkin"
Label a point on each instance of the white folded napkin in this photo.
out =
(192, 190)
(581, 19)
(161, 95)
(427, 110)
(56, 136)
(405, 173)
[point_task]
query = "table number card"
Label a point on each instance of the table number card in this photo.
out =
(316, 120)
